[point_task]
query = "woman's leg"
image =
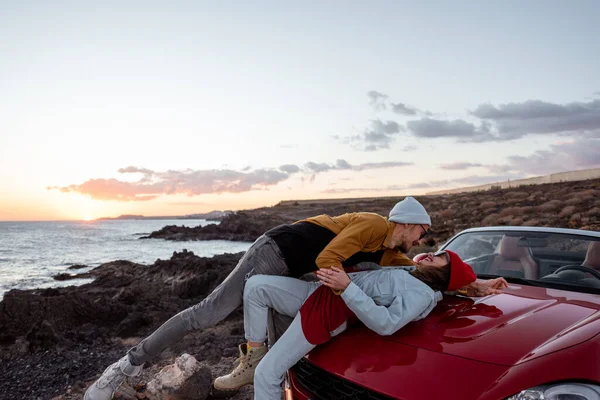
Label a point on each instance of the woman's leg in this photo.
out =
(263, 257)
(282, 294)
(286, 352)
(286, 296)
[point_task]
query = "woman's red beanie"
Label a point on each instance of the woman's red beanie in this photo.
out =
(461, 273)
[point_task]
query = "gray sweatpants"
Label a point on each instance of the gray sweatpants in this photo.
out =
(263, 257)
(285, 295)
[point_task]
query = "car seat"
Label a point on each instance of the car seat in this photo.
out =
(513, 260)
(592, 257)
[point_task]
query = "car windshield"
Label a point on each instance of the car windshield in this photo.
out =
(558, 260)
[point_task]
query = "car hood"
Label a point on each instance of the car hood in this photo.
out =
(518, 325)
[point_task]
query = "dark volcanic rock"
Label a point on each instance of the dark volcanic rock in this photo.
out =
(77, 266)
(125, 299)
(241, 226)
(66, 276)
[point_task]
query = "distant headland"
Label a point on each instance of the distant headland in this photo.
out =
(212, 215)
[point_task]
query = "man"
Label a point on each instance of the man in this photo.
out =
(288, 250)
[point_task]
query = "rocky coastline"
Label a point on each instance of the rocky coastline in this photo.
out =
(54, 342)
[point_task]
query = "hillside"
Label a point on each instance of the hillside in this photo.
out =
(564, 204)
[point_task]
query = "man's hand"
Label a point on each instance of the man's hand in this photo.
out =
(481, 288)
(334, 277)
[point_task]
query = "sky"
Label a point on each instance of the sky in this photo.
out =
(182, 107)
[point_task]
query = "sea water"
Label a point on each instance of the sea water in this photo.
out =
(31, 253)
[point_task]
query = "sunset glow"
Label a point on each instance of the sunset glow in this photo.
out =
(207, 107)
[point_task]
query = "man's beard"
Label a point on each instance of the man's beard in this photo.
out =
(402, 248)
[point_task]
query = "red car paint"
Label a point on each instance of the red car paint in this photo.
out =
(487, 349)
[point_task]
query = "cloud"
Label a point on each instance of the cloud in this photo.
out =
(379, 135)
(515, 120)
(582, 153)
(133, 170)
(402, 109)
(377, 100)
(460, 165)
(471, 180)
(154, 184)
(187, 182)
(289, 168)
(317, 167)
(345, 165)
(487, 123)
(380, 165)
(458, 128)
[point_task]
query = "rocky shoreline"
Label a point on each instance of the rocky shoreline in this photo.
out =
(54, 342)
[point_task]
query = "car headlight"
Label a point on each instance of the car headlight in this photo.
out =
(560, 391)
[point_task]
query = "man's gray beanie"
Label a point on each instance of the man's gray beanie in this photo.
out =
(409, 211)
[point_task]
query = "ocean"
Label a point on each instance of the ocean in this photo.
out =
(31, 253)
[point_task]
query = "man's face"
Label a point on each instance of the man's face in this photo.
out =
(406, 236)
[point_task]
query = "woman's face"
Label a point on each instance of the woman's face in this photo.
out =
(431, 260)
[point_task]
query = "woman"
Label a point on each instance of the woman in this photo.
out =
(384, 300)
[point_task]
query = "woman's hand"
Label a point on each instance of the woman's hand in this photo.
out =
(334, 277)
(488, 287)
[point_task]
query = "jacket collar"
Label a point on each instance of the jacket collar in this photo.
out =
(388, 235)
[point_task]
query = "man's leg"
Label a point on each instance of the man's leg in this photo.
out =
(284, 295)
(263, 257)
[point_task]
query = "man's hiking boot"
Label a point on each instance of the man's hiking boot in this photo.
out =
(243, 374)
(112, 377)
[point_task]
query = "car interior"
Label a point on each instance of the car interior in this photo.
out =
(534, 256)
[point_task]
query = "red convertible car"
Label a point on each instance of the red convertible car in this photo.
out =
(540, 339)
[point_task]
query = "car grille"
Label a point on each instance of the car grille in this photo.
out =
(326, 386)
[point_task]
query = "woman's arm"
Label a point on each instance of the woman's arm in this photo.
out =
(405, 307)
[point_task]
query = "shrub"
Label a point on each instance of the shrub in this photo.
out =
(588, 192)
(594, 212)
(573, 202)
(568, 210)
(448, 213)
(516, 221)
(491, 219)
(526, 210)
(487, 205)
(515, 195)
(549, 205)
(510, 211)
